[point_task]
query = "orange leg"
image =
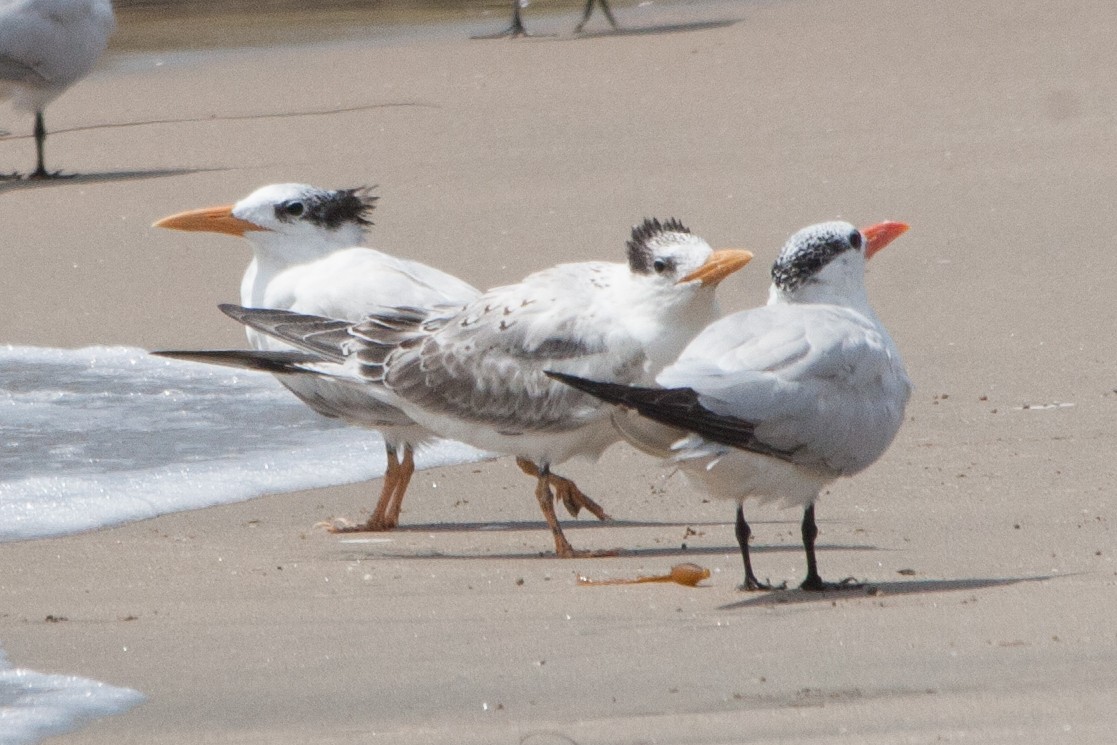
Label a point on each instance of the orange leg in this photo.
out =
(547, 503)
(403, 478)
(572, 497)
(380, 520)
(546, 499)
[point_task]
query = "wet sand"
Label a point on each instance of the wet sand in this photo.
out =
(986, 532)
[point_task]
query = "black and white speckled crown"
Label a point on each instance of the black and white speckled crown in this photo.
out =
(812, 248)
(645, 236)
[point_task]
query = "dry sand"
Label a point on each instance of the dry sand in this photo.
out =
(987, 530)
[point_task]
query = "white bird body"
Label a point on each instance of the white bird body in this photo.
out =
(823, 382)
(307, 259)
(780, 400)
(45, 47)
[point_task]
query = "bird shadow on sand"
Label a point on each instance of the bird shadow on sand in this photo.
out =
(666, 28)
(878, 590)
(67, 179)
(570, 524)
(675, 550)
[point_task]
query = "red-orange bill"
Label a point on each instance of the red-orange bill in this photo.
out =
(880, 235)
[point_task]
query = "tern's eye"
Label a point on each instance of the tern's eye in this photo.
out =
(855, 239)
(660, 266)
(293, 209)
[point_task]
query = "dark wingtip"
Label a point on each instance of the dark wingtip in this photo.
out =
(608, 392)
(571, 380)
(232, 310)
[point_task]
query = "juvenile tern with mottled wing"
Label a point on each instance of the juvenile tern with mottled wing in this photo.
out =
(781, 400)
(477, 375)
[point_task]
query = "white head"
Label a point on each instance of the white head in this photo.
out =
(675, 274)
(287, 223)
(669, 257)
(825, 263)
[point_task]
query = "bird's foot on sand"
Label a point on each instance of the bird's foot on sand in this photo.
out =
(752, 584)
(816, 584)
(342, 525)
(576, 553)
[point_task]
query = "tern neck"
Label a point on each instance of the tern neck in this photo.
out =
(298, 246)
(274, 253)
(666, 319)
(841, 283)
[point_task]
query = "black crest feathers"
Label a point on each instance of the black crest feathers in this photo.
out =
(644, 237)
(331, 209)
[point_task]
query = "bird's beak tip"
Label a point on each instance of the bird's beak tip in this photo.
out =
(718, 266)
(880, 235)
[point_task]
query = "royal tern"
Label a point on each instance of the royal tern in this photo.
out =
(307, 258)
(780, 400)
(477, 375)
(45, 47)
(517, 28)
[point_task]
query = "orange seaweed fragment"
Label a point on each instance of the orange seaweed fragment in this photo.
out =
(686, 574)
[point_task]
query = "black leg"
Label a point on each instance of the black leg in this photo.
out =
(744, 533)
(40, 140)
(609, 13)
(814, 582)
(588, 11)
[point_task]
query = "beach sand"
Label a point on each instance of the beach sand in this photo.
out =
(986, 532)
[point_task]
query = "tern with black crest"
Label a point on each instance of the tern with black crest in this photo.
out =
(308, 257)
(777, 402)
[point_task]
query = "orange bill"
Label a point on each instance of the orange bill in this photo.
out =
(719, 266)
(209, 220)
(880, 235)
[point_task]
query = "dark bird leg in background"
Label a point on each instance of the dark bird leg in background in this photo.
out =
(516, 29)
(744, 532)
(813, 582)
(589, 10)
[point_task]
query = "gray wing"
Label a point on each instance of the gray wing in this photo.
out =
(822, 382)
(487, 362)
(327, 337)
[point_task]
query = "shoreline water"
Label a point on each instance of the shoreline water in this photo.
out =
(103, 436)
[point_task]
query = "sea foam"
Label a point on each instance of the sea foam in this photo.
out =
(104, 435)
(35, 705)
